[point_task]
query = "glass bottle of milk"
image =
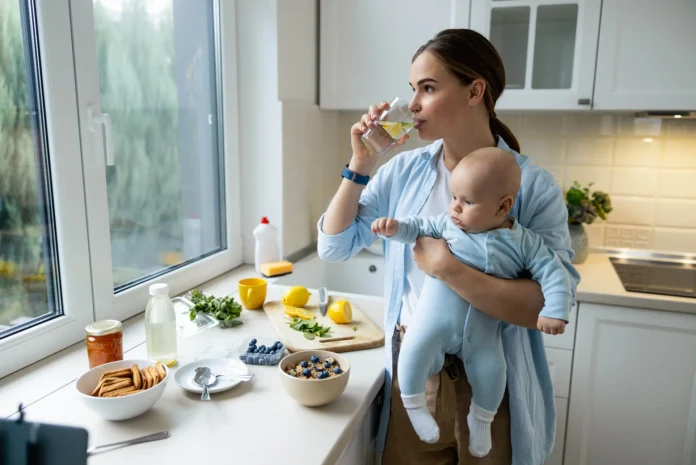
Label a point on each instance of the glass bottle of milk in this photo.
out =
(160, 325)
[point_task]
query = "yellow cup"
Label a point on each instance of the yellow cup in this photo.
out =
(252, 292)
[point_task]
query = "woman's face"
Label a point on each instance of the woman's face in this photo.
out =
(440, 103)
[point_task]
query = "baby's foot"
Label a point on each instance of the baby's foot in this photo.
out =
(479, 421)
(421, 419)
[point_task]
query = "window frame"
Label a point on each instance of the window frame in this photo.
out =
(58, 81)
(131, 301)
(67, 50)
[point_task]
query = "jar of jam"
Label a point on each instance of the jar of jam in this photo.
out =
(104, 342)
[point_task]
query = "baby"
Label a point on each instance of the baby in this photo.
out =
(481, 233)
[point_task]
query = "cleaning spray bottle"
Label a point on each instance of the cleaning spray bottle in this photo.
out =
(266, 244)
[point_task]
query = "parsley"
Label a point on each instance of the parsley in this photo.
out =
(310, 328)
(224, 309)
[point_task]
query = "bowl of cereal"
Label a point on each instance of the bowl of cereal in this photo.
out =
(314, 377)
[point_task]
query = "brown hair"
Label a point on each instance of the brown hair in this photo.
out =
(469, 55)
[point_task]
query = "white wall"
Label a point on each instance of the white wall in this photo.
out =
(288, 146)
(260, 122)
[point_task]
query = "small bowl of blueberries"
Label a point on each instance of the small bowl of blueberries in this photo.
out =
(255, 352)
(314, 377)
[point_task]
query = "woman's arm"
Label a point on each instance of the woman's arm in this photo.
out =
(514, 301)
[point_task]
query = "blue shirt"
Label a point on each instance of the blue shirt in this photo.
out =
(501, 252)
(400, 188)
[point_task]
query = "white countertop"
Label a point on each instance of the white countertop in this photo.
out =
(254, 422)
(601, 284)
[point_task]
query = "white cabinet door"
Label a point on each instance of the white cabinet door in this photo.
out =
(646, 58)
(560, 362)
(633, 392)
(556, 457)
(548, 48)
(366, 46)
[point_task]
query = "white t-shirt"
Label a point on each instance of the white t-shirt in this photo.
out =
(437, 203)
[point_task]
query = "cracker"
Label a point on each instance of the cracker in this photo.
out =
(161, 370)
(155, 376)
(120, 392)
(116, 386)
(137, 382)
(147, 379)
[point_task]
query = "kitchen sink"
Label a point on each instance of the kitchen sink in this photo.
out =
(668, 276)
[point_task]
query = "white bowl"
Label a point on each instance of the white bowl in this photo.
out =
(314, 392)
(119, 408)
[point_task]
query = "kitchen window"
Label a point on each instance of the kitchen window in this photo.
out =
(118, 161)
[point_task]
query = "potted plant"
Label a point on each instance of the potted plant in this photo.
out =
(584, 208)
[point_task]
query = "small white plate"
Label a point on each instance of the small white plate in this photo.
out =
(220, 366)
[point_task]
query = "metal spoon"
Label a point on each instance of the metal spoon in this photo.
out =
(130, 442)
(204, 377)
(242, 378)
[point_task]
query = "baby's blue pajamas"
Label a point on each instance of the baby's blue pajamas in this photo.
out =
(444, 323)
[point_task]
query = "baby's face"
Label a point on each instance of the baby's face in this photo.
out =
(474, 207)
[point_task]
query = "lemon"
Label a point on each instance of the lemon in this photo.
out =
(291, 311)
(392, 128)
(296, 296)
(340, 311)
(304, 314)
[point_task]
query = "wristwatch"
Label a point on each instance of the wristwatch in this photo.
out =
(355, 177)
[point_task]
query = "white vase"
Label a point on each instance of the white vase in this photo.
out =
(579, 243)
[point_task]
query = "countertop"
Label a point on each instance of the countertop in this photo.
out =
(601, 284)
(254, 422)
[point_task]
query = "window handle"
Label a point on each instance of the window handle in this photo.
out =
(95, 119)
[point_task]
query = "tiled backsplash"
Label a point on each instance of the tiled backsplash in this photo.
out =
(647, 165)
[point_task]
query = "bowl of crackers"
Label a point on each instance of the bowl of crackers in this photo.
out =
(124, 389)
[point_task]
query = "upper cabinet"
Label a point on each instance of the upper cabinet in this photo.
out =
(646, 58)
(366, 46)
(548, 48)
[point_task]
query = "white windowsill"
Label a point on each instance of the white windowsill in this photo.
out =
(40, 379)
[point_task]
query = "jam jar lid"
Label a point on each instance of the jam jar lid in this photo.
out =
(104, 327)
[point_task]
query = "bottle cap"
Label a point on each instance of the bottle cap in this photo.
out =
(264, 220)
(159, 289)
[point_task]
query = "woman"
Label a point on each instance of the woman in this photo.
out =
(457, 77)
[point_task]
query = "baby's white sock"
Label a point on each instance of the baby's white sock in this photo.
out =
(479, 421)
(424, 423)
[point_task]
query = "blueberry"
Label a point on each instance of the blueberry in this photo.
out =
(327, 364)
(258, 350)
(314, 359)
(262, 347)
(307, 372)
(304, 364)
(269, 350)
(276, 343)
(323, 374)
(253, 341)
(338, 370)
(251, 349)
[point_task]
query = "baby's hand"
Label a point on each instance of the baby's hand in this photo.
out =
(550, 325)
(385, 227)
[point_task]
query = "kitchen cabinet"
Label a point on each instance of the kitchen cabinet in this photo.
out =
(633, 389)
(556, 457)
(548, 48)
(645, 58)
(366, 46)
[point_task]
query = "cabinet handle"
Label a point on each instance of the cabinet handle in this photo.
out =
(584, 101)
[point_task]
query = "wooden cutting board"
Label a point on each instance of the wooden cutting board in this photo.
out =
(342, 337)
